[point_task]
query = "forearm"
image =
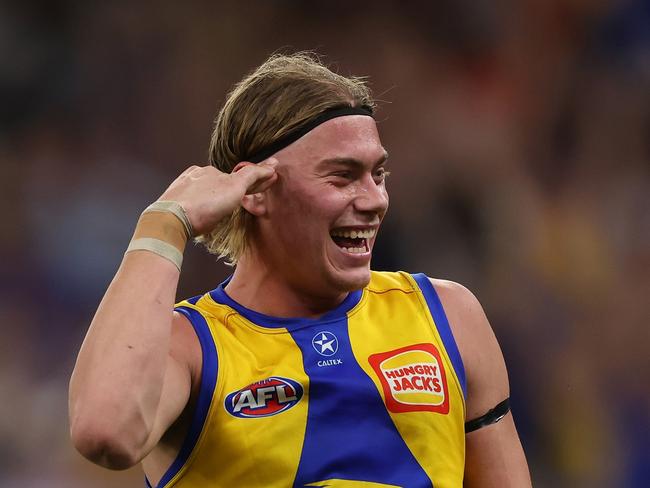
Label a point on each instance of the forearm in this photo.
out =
(117, 382)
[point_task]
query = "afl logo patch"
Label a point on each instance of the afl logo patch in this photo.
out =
(268, 397)
(413, 379)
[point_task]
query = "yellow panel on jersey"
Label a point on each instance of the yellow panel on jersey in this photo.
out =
(260, 364)
(408, 361)
(370, 394)
(350, 484)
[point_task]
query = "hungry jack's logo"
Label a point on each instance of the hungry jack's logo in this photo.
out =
(413, 379)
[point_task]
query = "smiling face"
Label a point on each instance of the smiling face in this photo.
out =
(323, 213)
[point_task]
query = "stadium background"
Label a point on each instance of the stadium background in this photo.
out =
(518, 133)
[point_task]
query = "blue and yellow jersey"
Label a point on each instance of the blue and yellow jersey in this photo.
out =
(371, 394)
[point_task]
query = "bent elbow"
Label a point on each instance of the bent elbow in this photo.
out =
(103, 447)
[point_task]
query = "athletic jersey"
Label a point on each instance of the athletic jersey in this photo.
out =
(371, 394)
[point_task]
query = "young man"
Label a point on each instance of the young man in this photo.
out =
(304, 368)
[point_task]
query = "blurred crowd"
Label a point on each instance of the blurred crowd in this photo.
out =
(519, 140)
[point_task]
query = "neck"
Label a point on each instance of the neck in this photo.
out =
(259, 287)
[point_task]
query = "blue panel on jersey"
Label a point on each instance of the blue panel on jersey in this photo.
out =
(349, 433)
(442, 324)
(208, 382)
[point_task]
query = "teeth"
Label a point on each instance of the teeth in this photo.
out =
(354, 234)
(355, 250)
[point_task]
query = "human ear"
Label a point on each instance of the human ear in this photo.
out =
(255, 204)
(254, 201)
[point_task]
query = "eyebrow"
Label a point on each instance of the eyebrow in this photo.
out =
(344, 161)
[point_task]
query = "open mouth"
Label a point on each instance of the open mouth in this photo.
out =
(354, 241)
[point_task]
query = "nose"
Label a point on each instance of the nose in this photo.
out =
(371, 198)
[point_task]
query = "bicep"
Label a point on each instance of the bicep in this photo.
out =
(494, 456)
(180, 373)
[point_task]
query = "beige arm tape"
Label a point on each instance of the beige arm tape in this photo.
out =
(156, 246)
(176, 209)
(162, 231)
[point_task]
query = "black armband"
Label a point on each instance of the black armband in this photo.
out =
(492, 417)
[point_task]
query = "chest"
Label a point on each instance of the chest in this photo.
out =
(362, 397)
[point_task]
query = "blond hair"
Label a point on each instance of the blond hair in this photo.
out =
(282, 94)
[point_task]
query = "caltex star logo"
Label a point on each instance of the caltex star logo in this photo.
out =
(325, 343)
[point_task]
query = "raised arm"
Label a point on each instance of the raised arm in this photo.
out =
(494, 455)
(136, 366)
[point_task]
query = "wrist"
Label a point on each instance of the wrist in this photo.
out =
(175, 209)
(162, 232)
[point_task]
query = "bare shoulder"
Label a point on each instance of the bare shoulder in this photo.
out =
(466, 316)
(459, 302)
(487, 379)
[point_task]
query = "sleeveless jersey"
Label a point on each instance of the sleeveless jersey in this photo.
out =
(371, 394)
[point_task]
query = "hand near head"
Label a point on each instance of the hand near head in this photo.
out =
(208, 195)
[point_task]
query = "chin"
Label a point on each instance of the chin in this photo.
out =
(351, 280)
